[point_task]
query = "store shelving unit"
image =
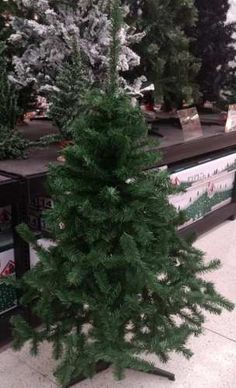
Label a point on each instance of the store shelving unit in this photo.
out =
(14, 258)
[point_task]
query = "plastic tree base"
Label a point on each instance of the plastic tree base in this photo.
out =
(160, 372)
(102, 366)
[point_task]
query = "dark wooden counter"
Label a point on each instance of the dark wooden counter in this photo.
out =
(32, 170)
(174, 149)
(36, 162)
(198, 147)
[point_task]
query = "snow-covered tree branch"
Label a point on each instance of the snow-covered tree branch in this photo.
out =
(46, 40)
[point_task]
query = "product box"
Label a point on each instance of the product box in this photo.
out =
(7, 293)
(207, 186)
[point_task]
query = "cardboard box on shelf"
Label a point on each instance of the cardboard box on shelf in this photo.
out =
(207, 187)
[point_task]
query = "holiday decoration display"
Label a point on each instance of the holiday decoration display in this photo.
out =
(208, 187)
(118, 282)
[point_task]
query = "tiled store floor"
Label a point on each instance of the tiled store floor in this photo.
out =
(212, 366)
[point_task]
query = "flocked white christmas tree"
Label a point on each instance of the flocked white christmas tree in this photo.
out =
(48, 38)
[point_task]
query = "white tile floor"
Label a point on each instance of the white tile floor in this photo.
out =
(212, 366)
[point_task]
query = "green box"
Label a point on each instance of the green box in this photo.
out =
(7, 298)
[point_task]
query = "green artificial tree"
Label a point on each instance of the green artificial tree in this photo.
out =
(68, 93)
(119, 282)
(12, 145)
(213, 42)
(165, 54)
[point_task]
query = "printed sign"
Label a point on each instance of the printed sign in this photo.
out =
(190, 123)
(231, 119)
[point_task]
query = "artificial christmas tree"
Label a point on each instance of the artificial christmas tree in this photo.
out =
(165, 53)
(119, 281)
(48, 32)
(213, 42)
(69, 89)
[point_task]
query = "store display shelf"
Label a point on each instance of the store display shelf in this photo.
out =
(202, 146)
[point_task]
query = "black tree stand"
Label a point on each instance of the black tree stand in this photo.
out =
(102, 366)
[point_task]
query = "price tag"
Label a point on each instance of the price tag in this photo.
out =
(231, 119)
(190, 123)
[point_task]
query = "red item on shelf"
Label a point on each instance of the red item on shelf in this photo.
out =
(149, 107)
